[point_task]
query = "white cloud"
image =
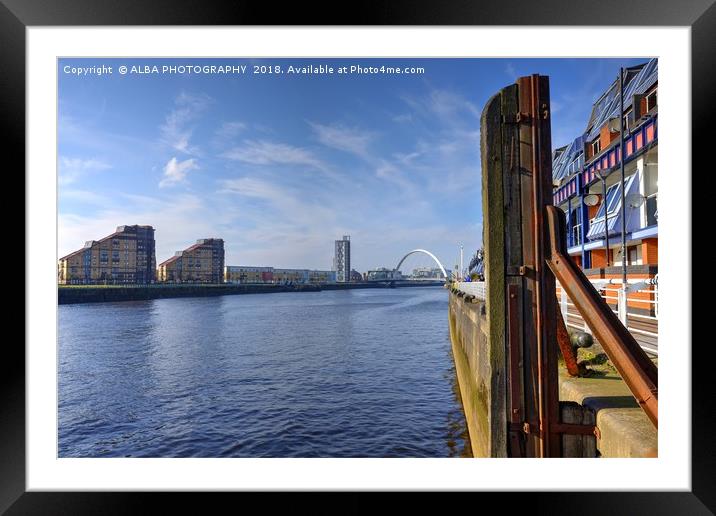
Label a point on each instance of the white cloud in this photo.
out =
(229, 130)
(447, 106)
(175, 131)
(447, 103)
(262, 152)
(403, 118)
(283, 227)
(176, 171)
(251, 187)
(348, 139)
(84, 196)
(71, 169)
(388, 172)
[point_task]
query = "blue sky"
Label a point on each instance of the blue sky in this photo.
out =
(280, 166)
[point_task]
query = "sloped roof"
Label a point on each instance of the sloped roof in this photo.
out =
(104, 239)
(637, 80)
(179, 254)
(563, 159)
(168, 261)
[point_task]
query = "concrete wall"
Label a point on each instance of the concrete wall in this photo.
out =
(469, 334)
(625, 430)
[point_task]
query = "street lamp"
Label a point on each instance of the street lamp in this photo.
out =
(623, 157)
(461, 268)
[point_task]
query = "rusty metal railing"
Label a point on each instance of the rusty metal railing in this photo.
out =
(633, 364)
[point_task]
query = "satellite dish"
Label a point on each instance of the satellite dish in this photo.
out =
(634, 200)
(591, 199)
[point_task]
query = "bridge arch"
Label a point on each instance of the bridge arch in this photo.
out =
(431, 255)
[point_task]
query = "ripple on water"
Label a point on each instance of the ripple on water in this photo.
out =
(329, 374)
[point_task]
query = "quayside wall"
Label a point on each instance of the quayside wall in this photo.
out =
(602, 400)
(480, 385)
(114, 293)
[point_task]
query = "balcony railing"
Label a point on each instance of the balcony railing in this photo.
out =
(475, 288)
(637, 307)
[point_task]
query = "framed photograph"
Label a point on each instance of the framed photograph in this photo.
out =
(278, 250)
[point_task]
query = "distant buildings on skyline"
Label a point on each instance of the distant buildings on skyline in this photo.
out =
(127, 256)
(270, 275)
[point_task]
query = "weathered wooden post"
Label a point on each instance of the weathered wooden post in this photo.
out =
(521, 297)
(494, 232)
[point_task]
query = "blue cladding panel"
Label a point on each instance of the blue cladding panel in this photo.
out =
(637, 81)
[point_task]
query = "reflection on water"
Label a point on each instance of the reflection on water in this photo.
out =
(357, 373)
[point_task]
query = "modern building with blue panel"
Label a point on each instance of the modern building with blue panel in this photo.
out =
(587, 179)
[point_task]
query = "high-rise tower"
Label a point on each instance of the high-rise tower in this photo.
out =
(342, 259)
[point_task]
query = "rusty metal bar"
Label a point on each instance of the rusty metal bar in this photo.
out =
(565, 346)
(536, 106)
(575, 429)
(536, 231)
(638, 371)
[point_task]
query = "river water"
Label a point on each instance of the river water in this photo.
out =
(348, 373)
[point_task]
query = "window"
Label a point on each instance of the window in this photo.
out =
(576, 165)
(577, 234)
(596, 147)
(627, 115)
(614, 197)
(651, 101)
(651, 210)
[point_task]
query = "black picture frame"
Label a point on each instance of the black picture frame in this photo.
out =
(17, 15)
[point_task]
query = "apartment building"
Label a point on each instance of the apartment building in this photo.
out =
(202, 262)
(127, 256)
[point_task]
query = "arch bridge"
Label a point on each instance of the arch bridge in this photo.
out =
(424, 251)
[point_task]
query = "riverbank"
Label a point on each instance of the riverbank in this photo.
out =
(72, 294)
